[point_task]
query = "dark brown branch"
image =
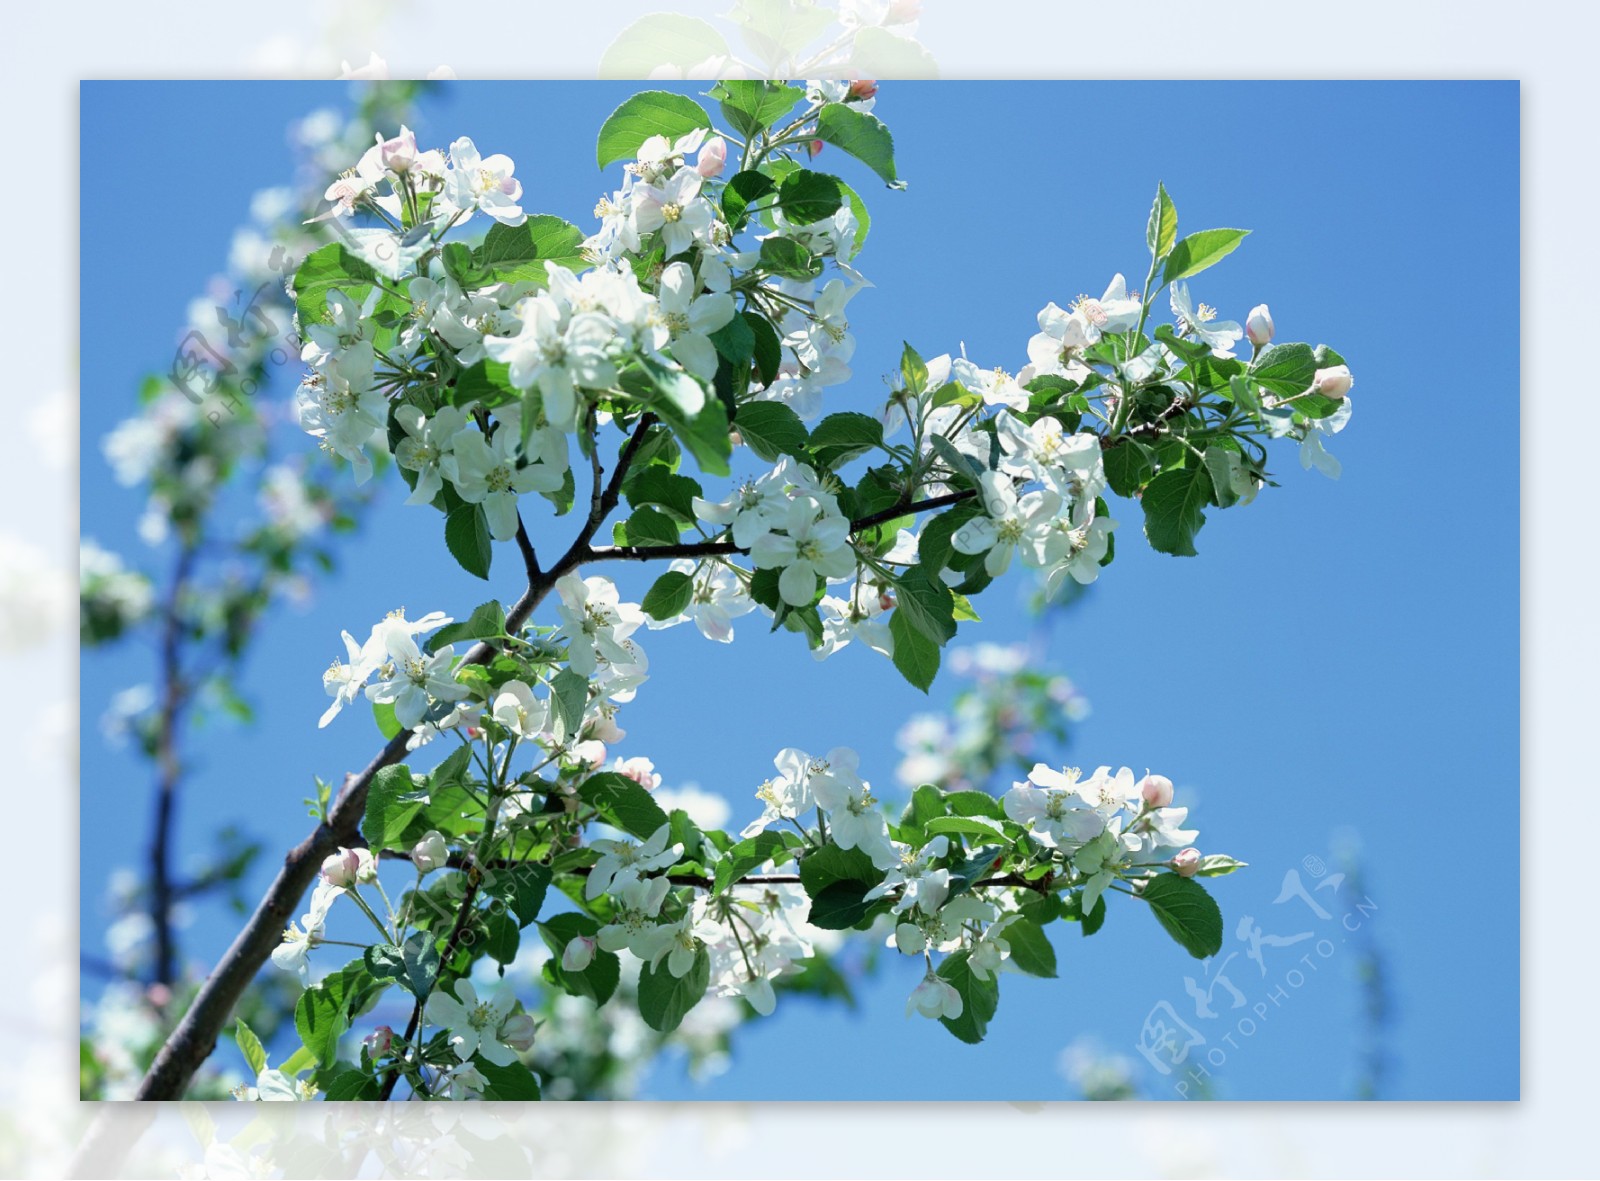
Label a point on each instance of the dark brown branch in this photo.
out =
(169, 770)
(530, 559)
(712, 549)
(195, 1037)
(654, 553)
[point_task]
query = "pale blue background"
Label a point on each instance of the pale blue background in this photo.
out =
(1342, 656)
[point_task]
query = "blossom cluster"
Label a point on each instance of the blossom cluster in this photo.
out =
(708, 311)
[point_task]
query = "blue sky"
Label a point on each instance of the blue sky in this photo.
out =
(1341, 659)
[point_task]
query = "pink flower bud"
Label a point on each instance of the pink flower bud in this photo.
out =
(400, 153)
(340, 869)
(1333, 383)
(430, 853)
(517, 1032)
(814, 148)
(366, 866)
(863, 88)
(379, 1041)
(1258, 325)
(641, 770)
(886, 601)
(712, 157)
(1156, 790)
(903, 12)
(578, 955)
(1186, 862)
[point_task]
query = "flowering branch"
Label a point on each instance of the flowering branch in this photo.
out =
(486, 367)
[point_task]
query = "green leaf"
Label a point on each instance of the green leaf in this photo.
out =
(661, 39)
(623, 804)
(684, 831)
(393, 801)
(1031, 949)
(777, 29)
(822, 867)
(974, 803)
(1215, 865)
(1244, 394)
(806, 197)
(655, 487)
(743, 190)
(913, 369)
(511, 1083)
(863, 221)
(1285, 369)
(421, 955)
(839, 906)
(350, 1086)
(928, 604)
(466, 533)
(385, 961)
(836, 880)
(1172, 509)
(915, 655)
(766, 352)
(771, 429)
(1128, 467)
(966, 470)
(1225, 466)
(664, 999)
(979, 999)
(746, 856)
(648, 113)
(862, 136)
(934, 550)
(648, 526)
(1093, 921)
(962, 826)
(670, 596)
(703, 430)
(975, 868)
(735, 343)
(323, 1011)
(597, 981)
(1187, 911)
(519, 254)
(487, 622)
(383, 715)
(250, 1046)
(569, 694)
(460, 265)
(501, 936)
(522, 887)
(753, 106)
(1162, 232)
(323, 270)
(841, 437)
(788, 259)
(1199, 251)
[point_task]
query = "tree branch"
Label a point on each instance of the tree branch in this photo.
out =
(169, 770)
(712, 549)
(195, 1037)
(196, 1034)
